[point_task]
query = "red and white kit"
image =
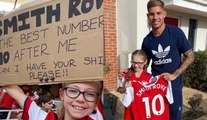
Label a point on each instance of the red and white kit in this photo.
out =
(34, 112)
(150, 99)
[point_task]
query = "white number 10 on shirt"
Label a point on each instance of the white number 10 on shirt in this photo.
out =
(153, 105)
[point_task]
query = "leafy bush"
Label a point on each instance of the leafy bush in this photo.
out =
(195, 101)
(196, 73)
(195, 110)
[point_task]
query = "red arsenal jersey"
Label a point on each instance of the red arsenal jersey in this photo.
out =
(151, 101)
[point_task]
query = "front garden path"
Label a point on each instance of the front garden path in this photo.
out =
(187, 93)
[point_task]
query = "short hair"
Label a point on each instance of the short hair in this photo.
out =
(44, 99)
(155, 3)
(25, 89)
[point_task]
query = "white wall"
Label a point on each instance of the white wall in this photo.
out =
(126, 25)
(131, 27)
(188, 6)
(126, 30)
(201, 31)
(142, 28)
(201, 37)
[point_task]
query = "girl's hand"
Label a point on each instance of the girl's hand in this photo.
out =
(122, 72)
(121, 90)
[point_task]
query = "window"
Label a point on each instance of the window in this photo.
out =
(191, 31)
(171, 21)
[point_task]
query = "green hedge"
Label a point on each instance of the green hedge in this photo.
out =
(196, 73)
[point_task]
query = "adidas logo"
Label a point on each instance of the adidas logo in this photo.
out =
(162, 54)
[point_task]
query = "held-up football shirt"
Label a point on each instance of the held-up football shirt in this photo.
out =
(151, 99)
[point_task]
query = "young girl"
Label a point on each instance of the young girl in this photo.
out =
(138, 65)
(146, 97)
(79, 99)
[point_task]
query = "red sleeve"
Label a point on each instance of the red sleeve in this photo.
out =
(128, 114)
(51, 116)
(27, 104)
(125, 76)
(100, 107)
(86, 118)
(16, 104)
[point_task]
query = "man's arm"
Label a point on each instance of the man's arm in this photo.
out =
(188, 59)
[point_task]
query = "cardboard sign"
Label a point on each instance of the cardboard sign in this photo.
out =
(52, 42)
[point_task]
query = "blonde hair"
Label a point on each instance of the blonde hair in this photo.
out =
(61, 109)
(140, 53)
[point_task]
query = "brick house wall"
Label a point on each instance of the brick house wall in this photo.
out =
(110, 45)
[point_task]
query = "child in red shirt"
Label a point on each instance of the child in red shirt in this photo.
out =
(147, 97)
(80, 102)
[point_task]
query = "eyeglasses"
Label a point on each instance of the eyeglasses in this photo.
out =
(136, 63)
(73, 93)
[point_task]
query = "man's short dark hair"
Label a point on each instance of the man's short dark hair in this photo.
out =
(155, 3)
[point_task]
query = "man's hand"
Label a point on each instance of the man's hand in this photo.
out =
(168, 76)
